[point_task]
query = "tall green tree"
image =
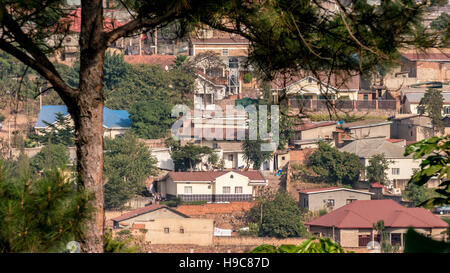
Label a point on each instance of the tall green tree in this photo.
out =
(50, 156)
(376, 170)
(278, 215)
(128, 163)
(115, 69)
(335, 167)
(187, 157)
(151, 119)
(254, 154)
(59, 132)
(432, 104)
(284, 35)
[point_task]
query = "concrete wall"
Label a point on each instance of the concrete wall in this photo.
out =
(412, 129)
(164, 159)
(317, 201)
(180, 231)
(233, 49)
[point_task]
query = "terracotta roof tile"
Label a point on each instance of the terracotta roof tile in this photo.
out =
(140, 211)
(395, 140)
(427, 56)
(138, 226)
(161, 60)
(74, 19)
(365, 213)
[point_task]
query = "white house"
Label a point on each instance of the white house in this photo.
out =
(401, 168)
(213, 186)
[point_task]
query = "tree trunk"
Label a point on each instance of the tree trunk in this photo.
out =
(89, 136)
(87, 113)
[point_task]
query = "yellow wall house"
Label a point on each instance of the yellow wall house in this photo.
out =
(164, 225)
(212, 186)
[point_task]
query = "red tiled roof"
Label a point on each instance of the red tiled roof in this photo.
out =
(161, 60)
(140, 211)
(365, 213)
(226, 208)
(376, 185)
(308, 126)
(138, 226)
(320, 189)
(409, 142)
(74, 19)
(395, 140)
(215, 80)
(427, 56)
(211, 176)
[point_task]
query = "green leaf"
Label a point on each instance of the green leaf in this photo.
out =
(418, 243)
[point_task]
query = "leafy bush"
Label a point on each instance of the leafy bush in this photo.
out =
(248, 77)
(335, 167)
(278, 216)
(119, 245)
(312, 245)
(127, 163)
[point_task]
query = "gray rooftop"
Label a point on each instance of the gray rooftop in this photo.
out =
(366, 148)
(416, 97)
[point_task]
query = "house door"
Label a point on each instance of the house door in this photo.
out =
(363, 240)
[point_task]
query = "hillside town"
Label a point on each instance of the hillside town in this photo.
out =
(202, 153)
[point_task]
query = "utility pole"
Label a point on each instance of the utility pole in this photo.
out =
(156, 41)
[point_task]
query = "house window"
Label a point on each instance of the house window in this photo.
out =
(230, 157)
(188, 189)
(305, 203)
(226, 190)
(166, 230)
(231, 176)
(420, 110)
(395, 171)
(237, 189)
(181, 230)
(330, 203)
(447, 110)
(396, 238)
(225, 52)
(348, 201)
(366, 97)
(283, 158)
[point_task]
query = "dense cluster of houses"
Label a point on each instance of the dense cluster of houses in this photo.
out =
(393, 98)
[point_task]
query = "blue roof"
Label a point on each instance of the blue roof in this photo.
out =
(111, 118)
